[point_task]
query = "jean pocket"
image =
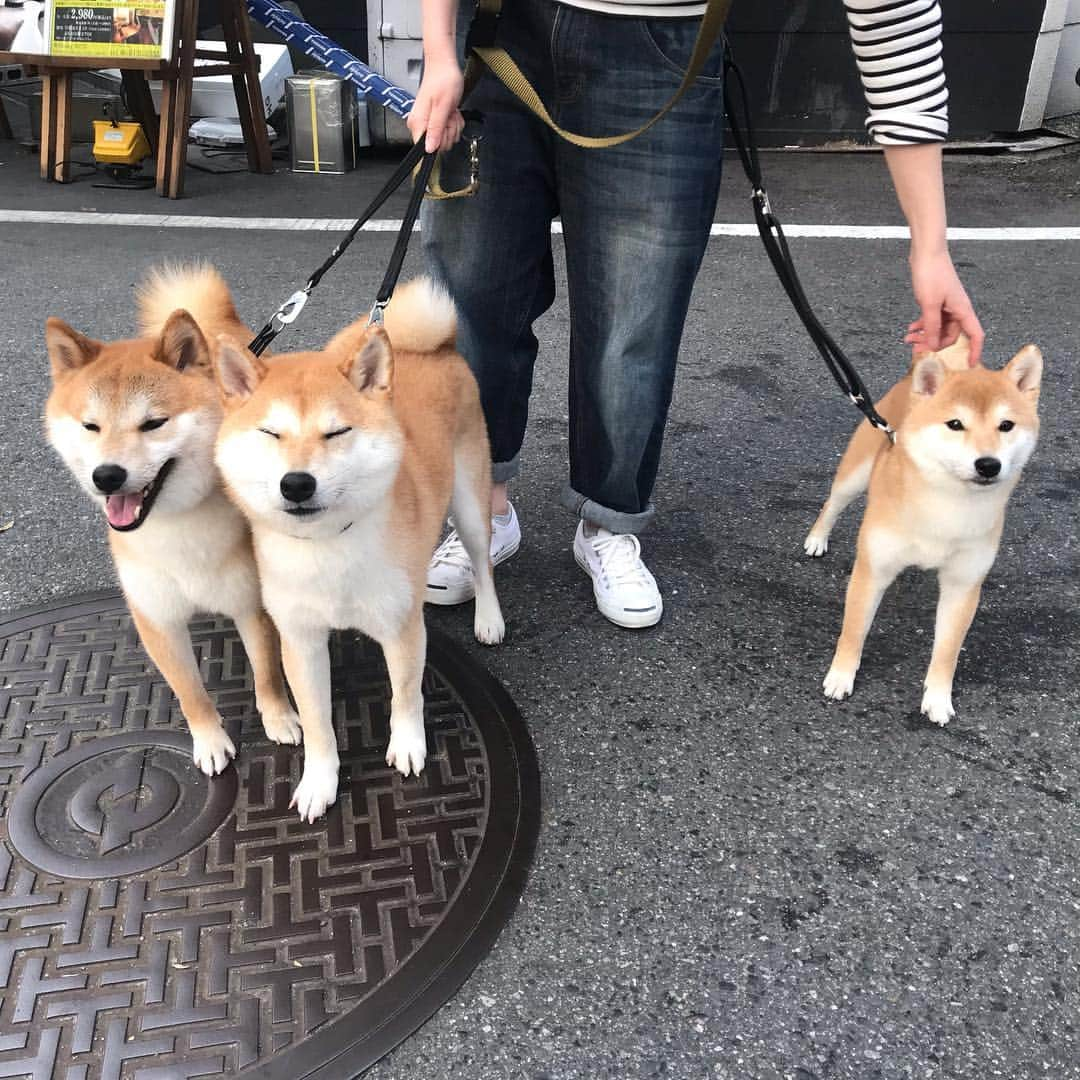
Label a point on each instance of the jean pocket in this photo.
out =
(672, 40)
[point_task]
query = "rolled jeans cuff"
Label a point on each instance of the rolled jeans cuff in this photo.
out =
(615, 521)
(501, 471)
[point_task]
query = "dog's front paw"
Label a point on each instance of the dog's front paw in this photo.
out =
(212, 749)
(281, 725)
(839, 682)
(317, 789)
(407, 751)
(815, 546)
(937, 706)
(490, 629)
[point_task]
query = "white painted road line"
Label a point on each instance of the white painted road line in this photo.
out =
(281, 224)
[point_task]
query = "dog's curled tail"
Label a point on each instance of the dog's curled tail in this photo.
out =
(198, 288)
(420, 317)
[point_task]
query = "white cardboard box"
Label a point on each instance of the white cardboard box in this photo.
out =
(212, 95)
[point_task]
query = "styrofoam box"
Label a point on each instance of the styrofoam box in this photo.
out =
(212, 95)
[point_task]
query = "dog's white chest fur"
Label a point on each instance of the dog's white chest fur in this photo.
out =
(942, 528)
(351, 580)
(177, 570)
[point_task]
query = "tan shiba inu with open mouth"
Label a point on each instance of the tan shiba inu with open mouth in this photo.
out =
(135, 421)
(345, 461)
(936, 499)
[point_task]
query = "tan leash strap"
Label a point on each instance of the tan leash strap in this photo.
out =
(509, 74)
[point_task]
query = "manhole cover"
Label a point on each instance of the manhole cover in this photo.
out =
(155, 924)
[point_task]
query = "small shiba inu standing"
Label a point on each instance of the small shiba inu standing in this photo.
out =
(135, 421)
(345, 461)
(936, 499)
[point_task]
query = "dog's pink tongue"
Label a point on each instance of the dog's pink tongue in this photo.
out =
(121, 509)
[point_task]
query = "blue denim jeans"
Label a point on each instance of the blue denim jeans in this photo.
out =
(635, 222)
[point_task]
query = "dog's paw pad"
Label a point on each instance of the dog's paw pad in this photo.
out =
(838, 683)
(407, 751)
(282, 725)
(937, 707)
(816, 546)
(212, 751)
(316, 791)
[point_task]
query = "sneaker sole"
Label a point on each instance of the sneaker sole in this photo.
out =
(447, 597)
(628, 620)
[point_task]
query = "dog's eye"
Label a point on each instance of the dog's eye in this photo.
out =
(1006, 425)
(954, 425)
(335, 434)
(91, 427)
(152, 425)
(272, 434)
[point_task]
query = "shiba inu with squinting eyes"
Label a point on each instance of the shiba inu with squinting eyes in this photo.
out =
(936, 499)
(135, 423)
(345, 461)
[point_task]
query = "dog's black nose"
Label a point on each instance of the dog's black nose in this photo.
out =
(298, 486)
(109, 478)
(988, 467)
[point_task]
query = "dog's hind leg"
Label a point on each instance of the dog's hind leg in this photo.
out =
(170, 648)
(851, 480)
(260, 638)
(957, 601)
(471, 509)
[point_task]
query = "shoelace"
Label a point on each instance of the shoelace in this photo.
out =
(452, 552)
(620, 559)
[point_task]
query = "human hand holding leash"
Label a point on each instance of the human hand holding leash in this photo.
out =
(436, 109)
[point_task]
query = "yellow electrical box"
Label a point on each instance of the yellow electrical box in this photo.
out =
(122, 143)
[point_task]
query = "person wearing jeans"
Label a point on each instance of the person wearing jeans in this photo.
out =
(636, 220)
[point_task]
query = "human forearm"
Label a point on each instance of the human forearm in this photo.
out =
(945, 309)
(920, 190)
(439, 20)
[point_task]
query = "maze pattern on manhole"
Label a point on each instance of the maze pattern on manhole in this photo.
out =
(157, 924)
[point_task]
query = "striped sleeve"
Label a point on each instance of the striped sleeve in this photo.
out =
(898, 50)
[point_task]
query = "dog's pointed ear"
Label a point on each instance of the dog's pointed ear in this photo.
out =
(1025, 369)
(927, 375)
(957, 356)
(238, 370)
(68, 349)
(182, 345)
(369, 366)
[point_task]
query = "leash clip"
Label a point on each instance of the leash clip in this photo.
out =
(290, 310)
(375, 316)
(761, 197)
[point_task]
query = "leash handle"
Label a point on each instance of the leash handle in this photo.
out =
(776, 247)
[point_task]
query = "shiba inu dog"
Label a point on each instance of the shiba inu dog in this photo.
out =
(135, 422)
(936, 499)
(344, 462)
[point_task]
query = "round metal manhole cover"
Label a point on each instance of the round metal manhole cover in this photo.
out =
(155, 923)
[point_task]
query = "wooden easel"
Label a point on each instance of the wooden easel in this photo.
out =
(169, 142)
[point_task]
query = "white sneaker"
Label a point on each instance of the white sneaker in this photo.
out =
(450, 574)
(625, 591)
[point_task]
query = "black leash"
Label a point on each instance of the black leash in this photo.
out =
(292, 307)
(776, 246)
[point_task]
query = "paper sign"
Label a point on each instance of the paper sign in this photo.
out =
(102, 29)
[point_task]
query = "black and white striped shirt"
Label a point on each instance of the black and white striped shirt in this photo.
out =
(897, 49)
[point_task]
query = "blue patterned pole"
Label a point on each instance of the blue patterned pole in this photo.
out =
(332, 56)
